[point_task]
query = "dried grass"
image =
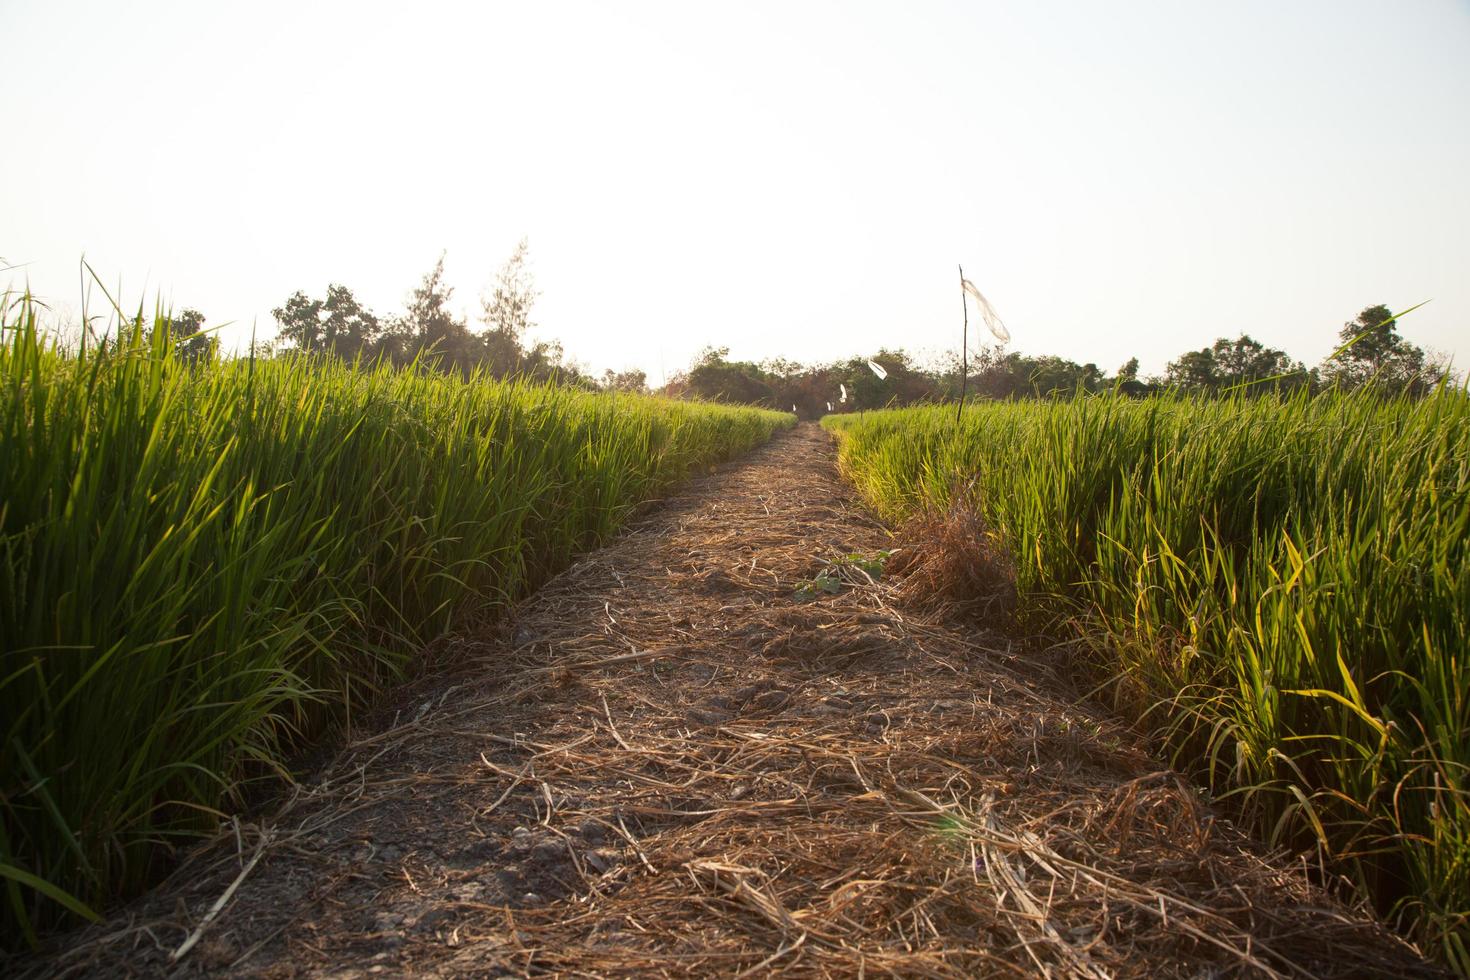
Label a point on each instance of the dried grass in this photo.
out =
(666, 765)
(952, 566)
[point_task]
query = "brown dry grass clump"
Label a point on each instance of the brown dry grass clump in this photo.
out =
(677, 761)
(952, 566)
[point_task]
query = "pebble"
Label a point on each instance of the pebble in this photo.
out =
(549, 850)
(772, 699)
(602, 860)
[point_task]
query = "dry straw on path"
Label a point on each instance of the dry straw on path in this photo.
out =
(677, 761)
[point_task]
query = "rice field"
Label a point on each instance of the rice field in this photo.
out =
(202, 567)
(1279, 588)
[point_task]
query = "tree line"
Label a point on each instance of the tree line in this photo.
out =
(1371, 352)
(428, 330)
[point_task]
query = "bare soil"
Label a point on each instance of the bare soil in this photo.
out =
(675, 761)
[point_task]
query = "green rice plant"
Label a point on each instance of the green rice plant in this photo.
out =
(1280, 587)
(204, 565)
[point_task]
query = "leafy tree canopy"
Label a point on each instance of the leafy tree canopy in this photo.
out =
(337, 324)
(1240, 363)
(1373, 352)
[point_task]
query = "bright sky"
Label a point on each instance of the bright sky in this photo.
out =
(786, 178)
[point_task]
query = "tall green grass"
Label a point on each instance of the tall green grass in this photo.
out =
(200, 567)
(1281, 586)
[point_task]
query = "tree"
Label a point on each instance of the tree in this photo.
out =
(1243, 363)
(1128, 382)
(1051, 375)
(1247, 361)
(1373, 353)
(997, 373)
(1195, 370)
(397, 342)
(714, 378)
(349, 329)
(434, 329)
(507, 313)
(299, 322)
(546, 360)
(631, 380)
(338, 325)
(865, 390)
(186, 334)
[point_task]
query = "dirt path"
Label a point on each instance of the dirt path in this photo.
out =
(667, 765)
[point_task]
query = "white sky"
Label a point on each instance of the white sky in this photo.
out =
(791, 178)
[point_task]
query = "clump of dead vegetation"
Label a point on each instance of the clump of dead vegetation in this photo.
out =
(953, 566)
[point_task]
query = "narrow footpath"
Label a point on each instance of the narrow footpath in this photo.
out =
(674, 761)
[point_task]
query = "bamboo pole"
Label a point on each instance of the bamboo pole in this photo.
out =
(964, 347)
